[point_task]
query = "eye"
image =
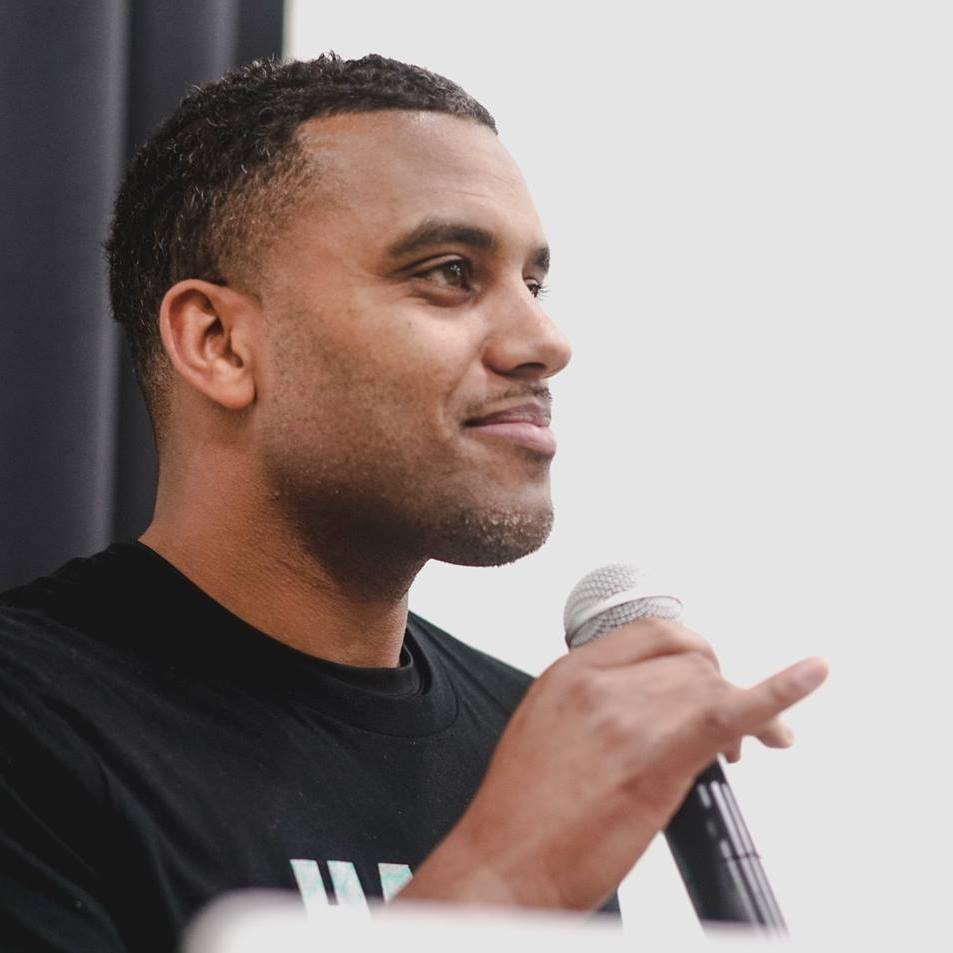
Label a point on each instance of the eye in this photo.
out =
(456, 273)
(537, 289)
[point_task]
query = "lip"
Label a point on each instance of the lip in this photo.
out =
(530, 435)
(526, 425)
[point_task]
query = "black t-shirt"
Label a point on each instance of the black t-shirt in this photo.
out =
(156, 751)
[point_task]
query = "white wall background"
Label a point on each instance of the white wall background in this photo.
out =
(751, 211)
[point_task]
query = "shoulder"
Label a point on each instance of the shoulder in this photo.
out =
(471, 668)
(45, 672)
(35, 639)
(59, 648)
(50, 621)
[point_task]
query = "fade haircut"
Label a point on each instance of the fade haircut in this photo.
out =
(204, 194)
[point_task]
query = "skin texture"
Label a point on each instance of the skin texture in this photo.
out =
(320, 450)
(595, 762)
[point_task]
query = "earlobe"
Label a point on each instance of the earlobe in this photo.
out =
(208, 334)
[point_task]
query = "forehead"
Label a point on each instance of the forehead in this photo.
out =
(385, 171)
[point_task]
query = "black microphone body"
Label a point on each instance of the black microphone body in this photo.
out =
(717, 859)
(713, 850)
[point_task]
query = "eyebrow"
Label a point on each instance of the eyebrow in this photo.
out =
(433, 232)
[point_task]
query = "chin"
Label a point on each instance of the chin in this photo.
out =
(492, 537)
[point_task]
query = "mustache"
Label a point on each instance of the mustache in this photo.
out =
(537, 392)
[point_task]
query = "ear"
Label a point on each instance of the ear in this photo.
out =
(209, 333)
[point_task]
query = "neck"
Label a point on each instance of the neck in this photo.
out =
(347, 606)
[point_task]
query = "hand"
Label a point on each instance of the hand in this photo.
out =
(595, 761)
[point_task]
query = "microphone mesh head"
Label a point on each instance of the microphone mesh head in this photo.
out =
(584, 620)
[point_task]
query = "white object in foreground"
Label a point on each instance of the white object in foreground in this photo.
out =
(263, 921)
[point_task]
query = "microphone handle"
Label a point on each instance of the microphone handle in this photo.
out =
(717, 859)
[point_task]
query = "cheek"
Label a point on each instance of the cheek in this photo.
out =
(392, 367)
(423, 364)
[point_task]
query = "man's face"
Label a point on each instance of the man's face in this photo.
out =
(400, 308)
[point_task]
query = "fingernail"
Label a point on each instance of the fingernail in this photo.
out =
(810, 674)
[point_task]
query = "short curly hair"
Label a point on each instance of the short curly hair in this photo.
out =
(198, 192)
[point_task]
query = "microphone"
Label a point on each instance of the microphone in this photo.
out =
(707, 836)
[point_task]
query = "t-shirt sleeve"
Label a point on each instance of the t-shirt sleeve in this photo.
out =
(52, 799)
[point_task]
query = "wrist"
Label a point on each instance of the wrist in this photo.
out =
(466, 867)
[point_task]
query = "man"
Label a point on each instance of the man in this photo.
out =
(329, 275)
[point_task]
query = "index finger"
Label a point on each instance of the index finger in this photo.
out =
(755, 706)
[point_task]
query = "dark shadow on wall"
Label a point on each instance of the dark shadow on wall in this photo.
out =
(81, 85)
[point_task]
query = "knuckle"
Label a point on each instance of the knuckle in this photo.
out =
(771, 699)
(560, 670)
(586, 689)
(780, 694)
(702, 664)
(695, 643)
(677, 638)
(613, 727)
(665, 631)
(556, 680)
(716, 721)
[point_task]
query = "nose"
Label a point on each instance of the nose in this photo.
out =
(523, 342)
